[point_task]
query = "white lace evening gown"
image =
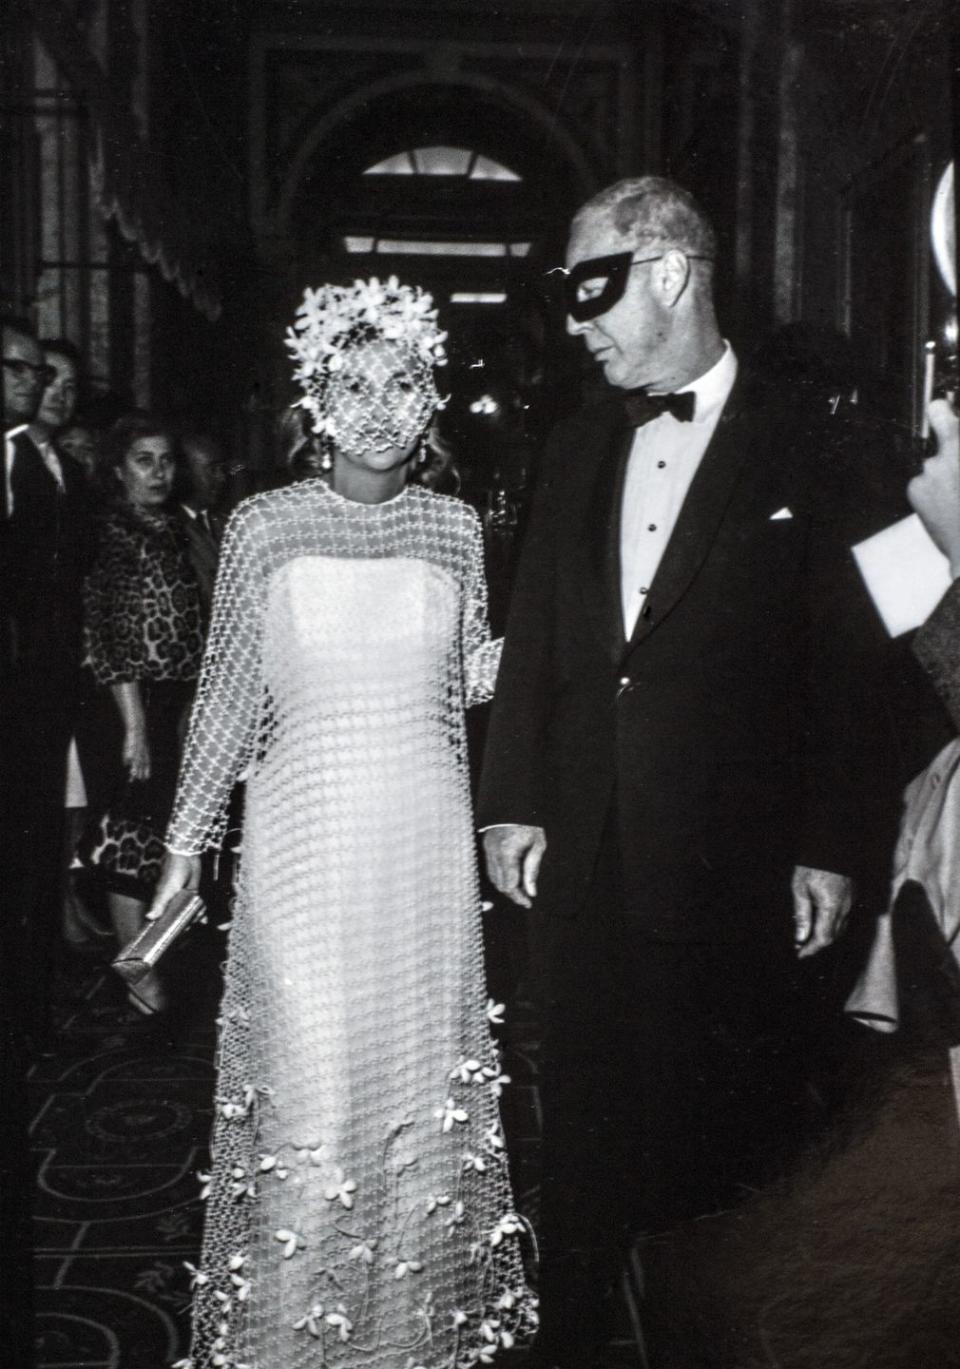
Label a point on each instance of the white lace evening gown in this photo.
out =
(359, 1209)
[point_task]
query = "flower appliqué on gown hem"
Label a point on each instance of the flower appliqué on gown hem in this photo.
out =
(359, 1211)
(348, 1258)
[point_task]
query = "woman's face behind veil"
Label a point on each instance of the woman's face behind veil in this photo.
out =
(379, 402)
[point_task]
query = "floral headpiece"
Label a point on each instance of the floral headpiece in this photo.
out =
(333, 317)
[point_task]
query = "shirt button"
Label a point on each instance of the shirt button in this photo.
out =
(661, 465)
(644, 590)
(652, 527)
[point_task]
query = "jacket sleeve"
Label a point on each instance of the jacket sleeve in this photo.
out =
(512, 779)
(937, 648)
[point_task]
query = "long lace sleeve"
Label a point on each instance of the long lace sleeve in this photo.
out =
(481, 654)
(220, 741)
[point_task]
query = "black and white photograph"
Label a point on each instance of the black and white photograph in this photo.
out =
(479, 684)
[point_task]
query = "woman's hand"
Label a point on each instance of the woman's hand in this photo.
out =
(934, 494)
(179, 872)
(136, 748)
(136, 752)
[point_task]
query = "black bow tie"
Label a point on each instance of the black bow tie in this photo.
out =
(641, 406)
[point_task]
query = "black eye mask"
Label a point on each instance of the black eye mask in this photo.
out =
(610, 273)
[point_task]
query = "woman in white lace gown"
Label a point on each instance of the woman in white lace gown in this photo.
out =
(359, 1209)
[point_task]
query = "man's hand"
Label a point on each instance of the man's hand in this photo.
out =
(513, 855)
(821, 906)
(935, 492)
(179, 872)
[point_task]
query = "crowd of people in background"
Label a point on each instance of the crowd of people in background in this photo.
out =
(112, 522)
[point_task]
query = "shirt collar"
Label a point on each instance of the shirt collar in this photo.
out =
(712, 389)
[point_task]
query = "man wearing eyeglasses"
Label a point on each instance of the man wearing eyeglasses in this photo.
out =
(44, 553)
(670, 770)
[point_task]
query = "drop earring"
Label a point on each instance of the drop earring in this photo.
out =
(326, 460)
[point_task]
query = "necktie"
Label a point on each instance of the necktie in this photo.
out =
(642, 407)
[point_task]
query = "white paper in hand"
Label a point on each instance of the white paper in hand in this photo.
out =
(905, 572)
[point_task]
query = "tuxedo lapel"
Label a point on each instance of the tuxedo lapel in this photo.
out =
(598, 543)
(699, 519)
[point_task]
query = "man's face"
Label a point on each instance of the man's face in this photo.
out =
(23, 372)
(629, 339)
(207, 474)
(58, 403)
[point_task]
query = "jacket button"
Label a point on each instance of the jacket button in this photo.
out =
(624, 681)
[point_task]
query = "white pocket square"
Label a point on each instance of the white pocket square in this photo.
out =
(780, 513)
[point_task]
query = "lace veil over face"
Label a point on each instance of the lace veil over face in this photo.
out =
(381, 400)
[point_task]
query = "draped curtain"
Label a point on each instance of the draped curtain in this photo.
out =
(125, 179)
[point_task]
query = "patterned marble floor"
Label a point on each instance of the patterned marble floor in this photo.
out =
(121, 1113)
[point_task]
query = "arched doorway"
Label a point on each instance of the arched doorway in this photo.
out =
(464, 188)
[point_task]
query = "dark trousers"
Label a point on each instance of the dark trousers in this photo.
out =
(35, 725)
(667, 1082)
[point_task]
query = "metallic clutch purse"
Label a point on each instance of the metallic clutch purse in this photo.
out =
(145, 950)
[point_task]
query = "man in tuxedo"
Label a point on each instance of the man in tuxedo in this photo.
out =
(45, 549)
(672, 751)
(199, 517)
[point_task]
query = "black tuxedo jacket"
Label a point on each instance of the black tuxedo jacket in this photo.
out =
(46, 548)
(727, 738)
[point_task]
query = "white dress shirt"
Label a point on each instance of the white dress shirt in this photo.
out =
(663, 461)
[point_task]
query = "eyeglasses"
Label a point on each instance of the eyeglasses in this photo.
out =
(593, 286)
(24, 370)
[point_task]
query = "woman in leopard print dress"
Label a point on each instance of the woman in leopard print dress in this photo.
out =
(144, 644)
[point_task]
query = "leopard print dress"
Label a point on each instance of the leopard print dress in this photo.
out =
(141, 622)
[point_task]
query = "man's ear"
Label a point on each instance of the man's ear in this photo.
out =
(673, 275)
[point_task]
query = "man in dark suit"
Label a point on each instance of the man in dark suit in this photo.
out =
(673, 747)
(45, 548)
(201, 521)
